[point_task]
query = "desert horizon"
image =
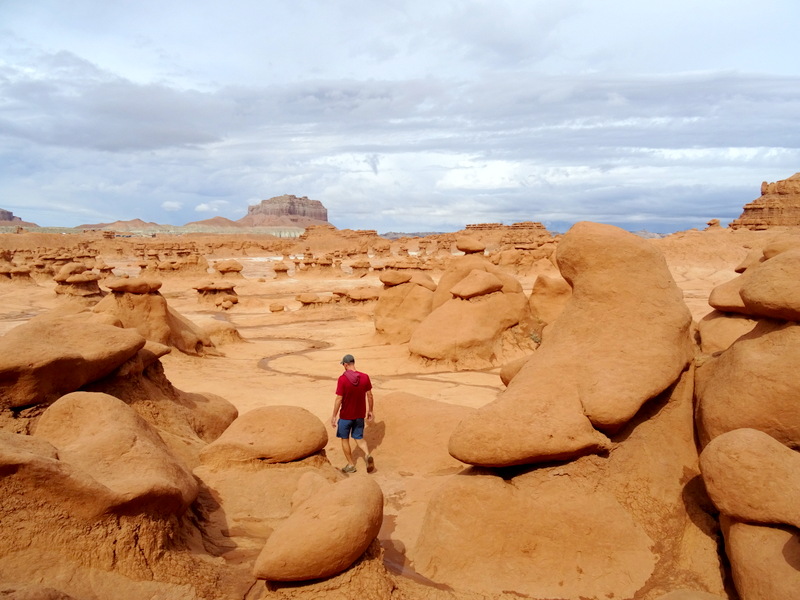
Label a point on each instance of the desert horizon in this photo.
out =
(220, 355)
(547, 254)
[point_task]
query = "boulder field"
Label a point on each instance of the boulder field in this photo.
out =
(590, 415)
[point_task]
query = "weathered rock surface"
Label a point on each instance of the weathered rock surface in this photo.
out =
(285, 210)
(752, 477)
(752, 385)
(46, 358)
(773, 288)
(325, 534)
(718, 330)
(108, 441)
(690, 595)
(765, 561)
(271, 434)
(594, 527)
(487, 328)
(401, 308)
(147, 311)
(477, 283)
(548, 297)
(584, 375)
(778, 205)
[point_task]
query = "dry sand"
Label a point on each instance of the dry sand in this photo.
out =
(293, 358)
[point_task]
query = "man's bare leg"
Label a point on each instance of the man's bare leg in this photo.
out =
(362, 444)
(348, 454)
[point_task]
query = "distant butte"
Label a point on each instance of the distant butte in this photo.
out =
(285, 210)
(778, 206)
(8, 218)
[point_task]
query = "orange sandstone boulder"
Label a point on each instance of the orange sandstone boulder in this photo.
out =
(271, 434)
(622, 339)
(753, 385)
(773, 288)
(718, 330)
(764, 560)
(104, 438)
(477, 283)
(393, 277)
(752, 477)
(483, 534)
(483, 321)
(548, 297)
(325, 534)
(46, 358)
(138, 305)
(401, 307)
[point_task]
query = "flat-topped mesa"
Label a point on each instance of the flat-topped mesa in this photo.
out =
(286, 210)
(526, 232)
(7, 215)
(778, 206)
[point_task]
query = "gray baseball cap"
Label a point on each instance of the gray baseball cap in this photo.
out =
(348, 359)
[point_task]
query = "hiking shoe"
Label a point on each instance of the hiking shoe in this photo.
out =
(349, 469)
(370, 463)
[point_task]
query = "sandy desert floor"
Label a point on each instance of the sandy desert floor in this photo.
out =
(293, 358)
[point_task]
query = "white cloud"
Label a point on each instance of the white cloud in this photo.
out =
(414, 114)
(213, 206)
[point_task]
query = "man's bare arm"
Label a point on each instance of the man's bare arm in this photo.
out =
(337, 404)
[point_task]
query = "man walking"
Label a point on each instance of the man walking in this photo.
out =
(353, 403)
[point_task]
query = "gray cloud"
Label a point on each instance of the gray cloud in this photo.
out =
(412, 116)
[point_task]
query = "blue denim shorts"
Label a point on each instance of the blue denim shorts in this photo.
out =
(350, 428)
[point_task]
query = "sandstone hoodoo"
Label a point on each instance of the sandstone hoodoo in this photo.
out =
(779, 205)
(285, 210)
(640, 440)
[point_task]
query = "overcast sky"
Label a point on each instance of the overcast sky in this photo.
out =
(398, 115)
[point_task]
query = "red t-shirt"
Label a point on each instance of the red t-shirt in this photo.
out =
(353, 387)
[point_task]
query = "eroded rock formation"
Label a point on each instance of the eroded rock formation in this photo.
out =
(779, 205)
(285, 210)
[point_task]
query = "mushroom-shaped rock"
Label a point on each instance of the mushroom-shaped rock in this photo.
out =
(773, 288)
(132, 285)
(472, 333)
(392, 277)
(281, 269)
(585, 374)
(325, 534)
(277, 307)
(752, 477)
(308, 299)
(470, 245)
(217, 293)
(44, 359)
(752, 384)
(106, 439)
(401, 308)
(271, 434)
(363, 294)
(480, 331)
(229, 268)
(150, 315)
(477, 283)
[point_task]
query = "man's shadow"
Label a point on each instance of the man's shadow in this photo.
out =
(374, 433)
